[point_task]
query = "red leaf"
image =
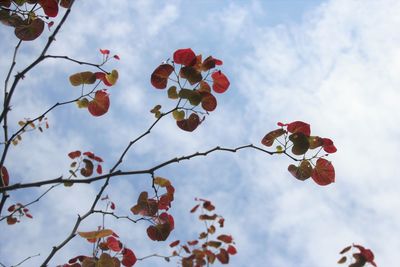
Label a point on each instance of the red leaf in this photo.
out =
(210, 63)
(185, 57)
(99, 170)
(328, 145)
(175, 243)
(231, 250)
(28, 215)
(367, 254)
(11, 208)
(323, 173)
(11, 220)
(50, 7)
(195, 208)
(190, 124)
(220, 82)
(193, 243)
(270, 137)
(208, 101)
(100, 104)
(299, 127)
(113, 244)
(5, 178)
(223, 256)
(112, 206)
(105, 51)
(102, 76)
(116, 57)
(225, 238)
(89, 154)
(128, 258)
(74, 154)
(159, 77)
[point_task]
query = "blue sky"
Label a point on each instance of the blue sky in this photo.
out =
(333, 64)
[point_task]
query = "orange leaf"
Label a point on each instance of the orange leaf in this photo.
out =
(220, 82)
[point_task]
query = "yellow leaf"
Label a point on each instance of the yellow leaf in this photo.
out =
(96, 234)
(112, 77)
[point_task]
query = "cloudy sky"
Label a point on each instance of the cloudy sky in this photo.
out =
(333, 64)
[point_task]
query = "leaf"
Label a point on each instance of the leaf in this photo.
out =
(220, 82)
(178, 115)
(113, 244)
(5, 178)
(328, 145)
(96, 234)
(105, 51)
(74, 154)
(210, 63)
(299, 127)
(225, 238)
(223, 256)
(100, 104)
(270, 137)
(5, 3)
(191, 74)
(128, 257)
(105, 260)
(207, 217)
(208, 205)
(342, 260)
(86, 77)
(323, 173)
(161, 181)
(175, 243)
(204, 87)
(185, 57)
(172, 93)
(194, 208)
(302, 172)
(65, 3)
(231, 250)
(88, 169)
(145, 206)
(29, 30)
(160, 232)
(159, 77)
(99, 169)
(112, 77)
(208, 101)
(315, 141)
(50, 7)
(345, 250)
(300, 143)
(11, 220)
(190, 124)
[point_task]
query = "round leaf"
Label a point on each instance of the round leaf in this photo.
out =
(208, 102)
(300, 143)
(220, 82)
(189, 124)
(29, 31)
(50, 7)
(302, 172)
(323, 173)
(159, 77)
(100, 104)
(185, 57)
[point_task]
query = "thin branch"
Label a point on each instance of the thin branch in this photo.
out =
(118, 216)
(78, 61)
(27, 258)
(135, 172)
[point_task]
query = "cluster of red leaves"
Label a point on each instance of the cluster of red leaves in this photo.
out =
(100, 102)
(17, 211)
(106, 242)
(28, 24)
(162, 222)
(205, 250)
(191, 67)
(361, 257)
(84, 163)
(297, 135)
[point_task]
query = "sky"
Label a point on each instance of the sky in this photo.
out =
(333, 64)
